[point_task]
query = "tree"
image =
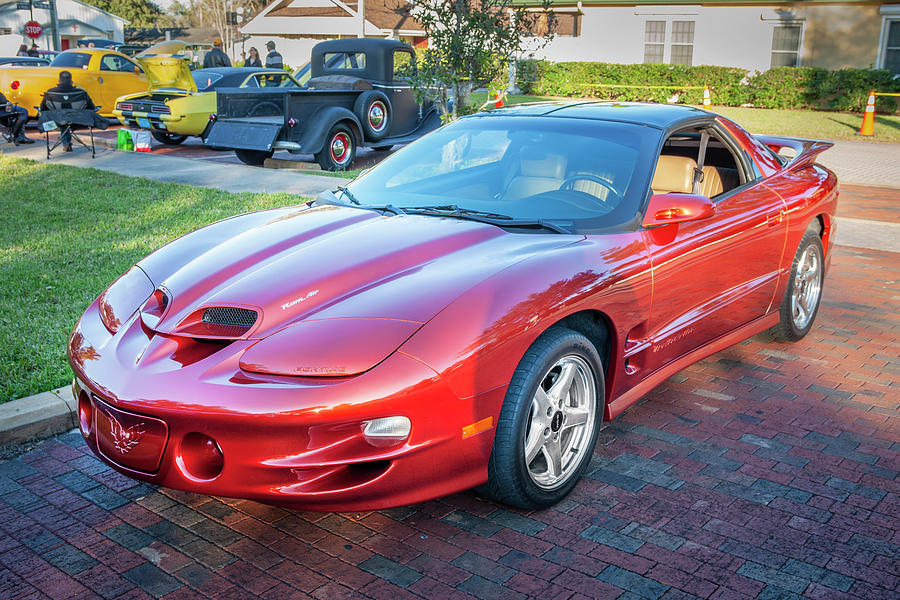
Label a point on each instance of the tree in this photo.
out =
(471, 45)
(140, 13)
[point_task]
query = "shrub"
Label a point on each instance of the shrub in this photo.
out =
(780, 87)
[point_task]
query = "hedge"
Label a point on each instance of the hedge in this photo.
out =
(781, 87)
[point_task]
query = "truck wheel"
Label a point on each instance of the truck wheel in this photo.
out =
(339, 150)
(168, 139)
(253, 157)
(374, 111)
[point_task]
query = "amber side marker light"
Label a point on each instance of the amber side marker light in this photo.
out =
(477, 427)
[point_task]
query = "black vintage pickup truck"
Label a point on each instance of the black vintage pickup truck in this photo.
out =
(357, 96)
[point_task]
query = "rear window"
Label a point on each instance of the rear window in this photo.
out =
(205, 81)
(345, 60)
(72, 60)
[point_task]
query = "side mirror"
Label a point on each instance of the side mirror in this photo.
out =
(665, 209)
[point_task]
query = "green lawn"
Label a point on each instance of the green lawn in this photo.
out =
(795, 123)
(65, 234)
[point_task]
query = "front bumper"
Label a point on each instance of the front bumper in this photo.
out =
(294, 441)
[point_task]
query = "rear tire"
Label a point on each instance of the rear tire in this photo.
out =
(804, 290)
(168, 139)
(374, 112)
(339, 150)
(255, 158)
(548, 423)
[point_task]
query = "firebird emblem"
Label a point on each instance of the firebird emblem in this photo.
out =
(124, 438)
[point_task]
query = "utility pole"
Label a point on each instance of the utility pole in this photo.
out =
(54, 24)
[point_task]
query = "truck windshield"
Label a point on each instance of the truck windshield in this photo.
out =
(581, 175)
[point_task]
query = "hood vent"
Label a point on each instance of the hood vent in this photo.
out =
(230, 316)
(218, 322)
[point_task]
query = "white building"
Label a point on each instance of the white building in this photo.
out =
(750, 34)
(297, 25)
(77, 20)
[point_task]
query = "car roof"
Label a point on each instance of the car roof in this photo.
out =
(660, 116)
(9, 59)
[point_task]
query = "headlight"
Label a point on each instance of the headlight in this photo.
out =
(328, 348)
(122, 299)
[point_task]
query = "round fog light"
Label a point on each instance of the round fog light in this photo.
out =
(85, 413)
(387, 431)
(200, 457)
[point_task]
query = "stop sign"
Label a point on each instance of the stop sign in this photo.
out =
(33, 29)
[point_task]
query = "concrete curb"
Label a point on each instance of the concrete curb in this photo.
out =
(39, 416)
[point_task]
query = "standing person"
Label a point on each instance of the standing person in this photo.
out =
(215, 57)
(273, 59)
(23, 50)
(15, 118)
(34, 50)
(253, 61)
(75, 95)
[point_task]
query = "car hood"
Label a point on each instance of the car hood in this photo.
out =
(339, 262)
(167, 67)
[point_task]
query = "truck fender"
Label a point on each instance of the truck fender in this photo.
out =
(321, 122)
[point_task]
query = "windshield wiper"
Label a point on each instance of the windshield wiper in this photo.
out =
(328, 197)
(491, 218)
(346, 192)
(455, 210)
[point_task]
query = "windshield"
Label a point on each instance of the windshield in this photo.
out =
(205, 79)
(76, 60)
(271, 80)
(580, 175)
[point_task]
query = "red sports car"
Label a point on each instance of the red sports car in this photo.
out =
(464, 314)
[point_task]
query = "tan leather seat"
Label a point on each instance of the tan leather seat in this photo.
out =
(674, 174)
(539, 171)
(717, 180)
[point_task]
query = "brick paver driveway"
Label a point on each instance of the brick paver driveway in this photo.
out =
(767, 470)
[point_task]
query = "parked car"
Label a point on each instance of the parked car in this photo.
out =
(180, 101)
(357, 95)
(103, 43)
(465, 313)
(104, 74)
(23, 61)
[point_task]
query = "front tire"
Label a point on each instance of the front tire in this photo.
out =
(255, 158)
(169, 139)
(804, 290)
(549, 421)
(339, 150)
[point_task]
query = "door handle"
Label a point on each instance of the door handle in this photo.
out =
(775, 219)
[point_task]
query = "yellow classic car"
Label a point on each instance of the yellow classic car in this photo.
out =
(180, 101)
(103, 74)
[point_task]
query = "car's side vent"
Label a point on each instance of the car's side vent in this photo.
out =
(230, 316)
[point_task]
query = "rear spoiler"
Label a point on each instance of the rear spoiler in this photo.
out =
(805, 151)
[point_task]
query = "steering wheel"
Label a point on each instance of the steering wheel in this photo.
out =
(569, 181)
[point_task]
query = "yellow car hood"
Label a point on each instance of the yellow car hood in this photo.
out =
(167, 67)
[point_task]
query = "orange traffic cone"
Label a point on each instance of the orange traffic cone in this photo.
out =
(706, 99)
(498, 99)
(868, 124)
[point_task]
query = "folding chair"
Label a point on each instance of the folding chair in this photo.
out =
(67, 110)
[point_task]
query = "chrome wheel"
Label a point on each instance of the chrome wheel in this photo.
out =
(340, 146)
(807, 287)
(561, 422)
(377, 116)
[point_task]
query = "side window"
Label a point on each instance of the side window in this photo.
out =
(253, 82)
(404, 64)
(110, 62)
(677, 165)
(113, 62)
